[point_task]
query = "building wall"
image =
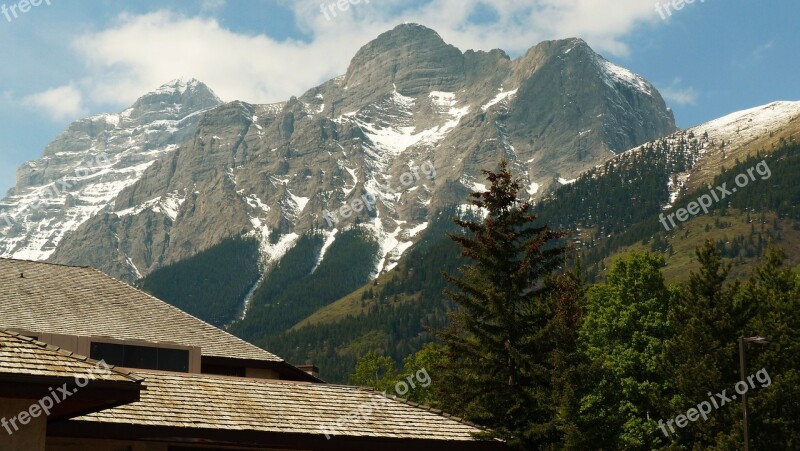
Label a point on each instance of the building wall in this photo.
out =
(25, 437)
(260, 373)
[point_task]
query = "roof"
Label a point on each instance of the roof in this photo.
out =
(238, 404)
(24, 356)
(81, 301)
(30, 369)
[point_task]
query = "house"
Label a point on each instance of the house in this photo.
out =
(137, 374)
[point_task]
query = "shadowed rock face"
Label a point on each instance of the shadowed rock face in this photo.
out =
(407, 98)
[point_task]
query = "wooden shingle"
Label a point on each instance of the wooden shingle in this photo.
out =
(83, 301)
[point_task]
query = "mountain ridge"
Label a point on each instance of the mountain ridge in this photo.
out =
(269, 171)
(84, 168)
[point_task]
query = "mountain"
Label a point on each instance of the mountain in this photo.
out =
(607, 211)
(266, 193)
(407, 103)
(86, 167)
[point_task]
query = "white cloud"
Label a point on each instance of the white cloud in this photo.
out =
(140, 52)
(678, 95)
(211, 5)
(62, 103)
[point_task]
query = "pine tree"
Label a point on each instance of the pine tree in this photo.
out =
(500, 347)
(702, 355)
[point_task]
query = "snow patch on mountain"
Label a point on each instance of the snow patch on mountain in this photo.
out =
(616, 74)
(330, 237)
(746, 125)
(391, 139)
(83, 171)
(503, 96)
(168, 205)
(416, 230)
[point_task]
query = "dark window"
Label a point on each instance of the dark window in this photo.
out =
(111, 353)
(141, 357)
(173, 360)
(144, 357)
(221, 370)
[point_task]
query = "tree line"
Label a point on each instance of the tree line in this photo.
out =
(548, 361)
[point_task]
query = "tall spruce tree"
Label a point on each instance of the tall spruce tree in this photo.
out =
(702, 354)
(502, 343)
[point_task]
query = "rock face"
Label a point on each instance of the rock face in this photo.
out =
(405, 131)
(86, 167)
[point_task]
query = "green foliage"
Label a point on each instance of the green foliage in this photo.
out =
(772, 300)
(705, 323)
(377, 372)
(778, 193)
(623, 192)
(619, 203)
(211, 285)
(622, 336)
(425, 368)
(500, 356)
(416, 383)
(296, 287)
(390, 326)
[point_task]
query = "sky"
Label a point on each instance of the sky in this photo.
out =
(65, 60)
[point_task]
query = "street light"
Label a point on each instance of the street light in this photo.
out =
(743, 371)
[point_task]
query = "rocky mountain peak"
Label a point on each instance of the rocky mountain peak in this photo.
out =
(173, 100)
(275, 172)
(89, 164)
(412, 57)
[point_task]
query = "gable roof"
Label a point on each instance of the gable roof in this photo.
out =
(24, 356)
(206, 402)
(82, 301)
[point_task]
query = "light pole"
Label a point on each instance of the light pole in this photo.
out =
(743, 371)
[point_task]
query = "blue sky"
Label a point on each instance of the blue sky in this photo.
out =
(67, 60)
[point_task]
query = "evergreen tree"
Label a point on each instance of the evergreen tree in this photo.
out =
(500, 365)
(702, 355)
(567, 295)
(771, 297)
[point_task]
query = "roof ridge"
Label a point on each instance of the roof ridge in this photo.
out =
(426, 407)
(41, 262)
(170, 306)
(363, 389)
(70, 354)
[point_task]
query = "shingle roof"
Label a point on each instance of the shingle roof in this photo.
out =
(43, 297)
(239, 404)
(25, 356)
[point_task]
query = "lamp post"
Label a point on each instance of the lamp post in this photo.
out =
(743, 371)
